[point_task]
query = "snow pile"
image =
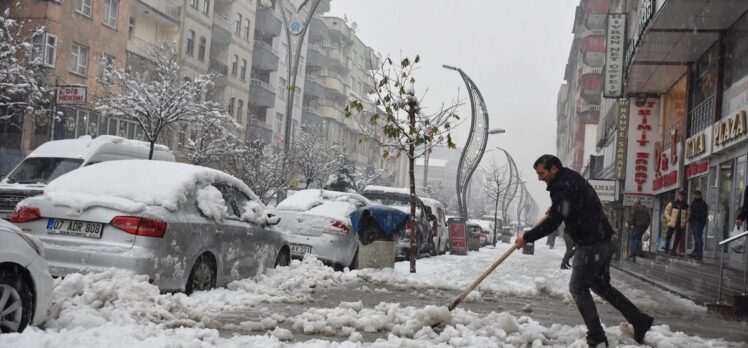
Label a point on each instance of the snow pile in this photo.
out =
(211, 203)
(254, 212)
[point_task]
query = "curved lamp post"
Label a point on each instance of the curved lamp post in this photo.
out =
(476, 143)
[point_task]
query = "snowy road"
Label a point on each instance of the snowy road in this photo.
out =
(525, 302)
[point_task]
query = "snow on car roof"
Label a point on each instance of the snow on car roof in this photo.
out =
(431, 202)
(305, 200)
(486, 225)
(85, 145)
(140, 182)
(386, 189)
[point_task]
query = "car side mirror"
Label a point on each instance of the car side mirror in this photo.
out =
(272, 220)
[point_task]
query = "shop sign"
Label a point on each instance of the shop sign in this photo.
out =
(667, 164)
(607, 190)
(730, 130)
(622, 138)
(71, 94)
(646, 11)
(698, 146)
(614, 55)
(697, 169)
(457, 236)
(640, 159)
(646, 200)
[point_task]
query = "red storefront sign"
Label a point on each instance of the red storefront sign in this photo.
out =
(697, 169)
(640, 159)
(667, 164)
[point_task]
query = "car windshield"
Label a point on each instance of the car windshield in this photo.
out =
(42, 170)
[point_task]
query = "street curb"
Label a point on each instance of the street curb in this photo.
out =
(656, 284)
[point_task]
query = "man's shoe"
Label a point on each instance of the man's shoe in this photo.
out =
(641, 328)
(597, 342)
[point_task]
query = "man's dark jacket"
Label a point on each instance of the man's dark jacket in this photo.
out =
(574, 202)
(698, 211)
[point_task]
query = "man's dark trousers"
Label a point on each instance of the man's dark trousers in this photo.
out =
(635, 241)
(591, 270)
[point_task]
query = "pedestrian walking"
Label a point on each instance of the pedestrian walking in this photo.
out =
(575, 203)
(569, 250)
(697, 220)
(638, 223)
(677, 215)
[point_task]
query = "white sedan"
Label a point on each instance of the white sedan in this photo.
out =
(25, 283)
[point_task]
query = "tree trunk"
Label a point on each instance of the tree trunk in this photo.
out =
(153, 144)
(412, 178)
(495, 217)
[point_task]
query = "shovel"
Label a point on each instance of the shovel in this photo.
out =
(485, 274)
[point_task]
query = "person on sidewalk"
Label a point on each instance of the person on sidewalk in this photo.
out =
(574, 202)
(569, 250)
(677, 215)
(638, 223)
(697, 220)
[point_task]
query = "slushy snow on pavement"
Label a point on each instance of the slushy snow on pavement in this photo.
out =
(117, 309)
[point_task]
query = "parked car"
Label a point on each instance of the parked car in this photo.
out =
(487, 231)
(439, 228)
(476, 236)
(319, 222)
(187, 227)
(399, 198)
(25, 283)
(506, 234)
(55, 158)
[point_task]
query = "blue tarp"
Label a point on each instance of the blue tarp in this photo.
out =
(388, 221)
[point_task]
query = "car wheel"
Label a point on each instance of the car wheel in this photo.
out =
(16, 302)
(283, 259)
(203, 275)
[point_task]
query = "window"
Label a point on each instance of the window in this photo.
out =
(239, 110)
(190, 42)
(44, 50)
(246, 29)
(78, 60)
(238, 29)
(110, 13)
(83, 7)
(278, 123)
(195, 4)
(206, 7)
(106, 62)
(131, 29)
(243, 71)
(234, 65)
(201, 49)
(231, 106)
(282, 88)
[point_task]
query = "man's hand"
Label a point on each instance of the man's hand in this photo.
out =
(519, 242)
(738, 222)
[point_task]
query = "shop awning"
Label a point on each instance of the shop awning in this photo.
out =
(679, 33)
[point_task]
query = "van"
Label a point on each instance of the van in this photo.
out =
(55, 158)
(440, 230)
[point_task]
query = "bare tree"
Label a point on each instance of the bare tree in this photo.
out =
(312, 157)
(20, 89)
(495, 183)
(263, 169)
(158, 97)
(211, 139)
(401, 126)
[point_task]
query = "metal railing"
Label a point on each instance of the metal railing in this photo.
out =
(724, 244)
(701, 116)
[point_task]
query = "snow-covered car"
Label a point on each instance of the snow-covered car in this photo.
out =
(319, 222)
(186, 227)
(487, 231)
(25, 283)
(506, 235)
(399, 198)
(439, 228)
(55, 158)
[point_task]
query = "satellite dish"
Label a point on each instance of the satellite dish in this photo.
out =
(354, 26)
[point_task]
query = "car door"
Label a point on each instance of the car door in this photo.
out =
(259, 245)
(232, 239)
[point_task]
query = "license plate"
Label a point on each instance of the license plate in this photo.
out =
(74, 228)
(301, 249)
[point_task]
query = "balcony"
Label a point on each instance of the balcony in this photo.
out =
(318, 30)
(218, 67)
(593, 43)
(158, 10)
(264, 56)
(267, 22)
(140, 46)
(261, 94)
(591, 82)
(221, 30)
(315, 56)
(314, 87)
(259, 130)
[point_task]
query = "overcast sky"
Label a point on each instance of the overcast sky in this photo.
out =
(514, 50)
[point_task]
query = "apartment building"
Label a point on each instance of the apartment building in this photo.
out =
(79, 38)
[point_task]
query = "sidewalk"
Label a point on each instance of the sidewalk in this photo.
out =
(691, 279)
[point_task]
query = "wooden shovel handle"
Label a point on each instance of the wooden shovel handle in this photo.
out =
(481, 278)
